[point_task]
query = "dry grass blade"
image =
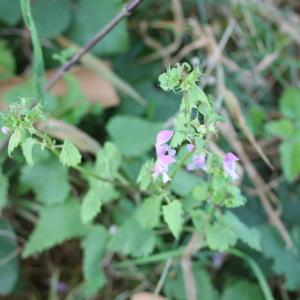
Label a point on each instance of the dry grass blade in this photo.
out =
(229, 133)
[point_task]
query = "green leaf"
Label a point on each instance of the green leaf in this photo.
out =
(220, 236)
(91, 15)
(184, 182)
(51, 17)
(282, 128)
(133, 136)
(172, 213)
(289, 103)
(14, 140)
(56, 224)
(290, 157)
(250, 236)
(49, 180)
(3, 190)
(94, 246)
(284, 261)
(7, 61)
(174, 286)
(145, 176)
(249, 290)
(10, 12)
(148, 213)
(108, 162)
(90, 207)
(27, 148)
(9, 270)
(69, 155)
(132, 239)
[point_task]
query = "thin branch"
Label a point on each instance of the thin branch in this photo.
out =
(126, 11)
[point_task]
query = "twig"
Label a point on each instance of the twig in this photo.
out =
(194, 245)
(126, 11)
(229, 132)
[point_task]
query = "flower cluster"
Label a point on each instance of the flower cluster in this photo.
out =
(165, 156)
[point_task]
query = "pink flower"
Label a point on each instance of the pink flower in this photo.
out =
(190, 147)
(198, 162)
(229, 165)
(5, 130)
(165, 155)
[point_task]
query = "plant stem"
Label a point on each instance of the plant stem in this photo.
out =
(257, 271)
(126, 11)
(38, 60)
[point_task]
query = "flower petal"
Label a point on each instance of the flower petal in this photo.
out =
(164, 136)
(190, 147)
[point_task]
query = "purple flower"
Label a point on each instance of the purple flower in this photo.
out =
(198, 162)
(5, 130)
(190, 147)
(165, 155)
(62, 287)
(229, 165)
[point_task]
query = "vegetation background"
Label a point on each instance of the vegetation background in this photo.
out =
(249, 53)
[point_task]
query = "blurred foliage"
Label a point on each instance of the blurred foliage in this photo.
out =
(259, 65)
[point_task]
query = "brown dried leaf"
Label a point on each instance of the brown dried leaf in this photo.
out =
(62, 131)
(95, 89)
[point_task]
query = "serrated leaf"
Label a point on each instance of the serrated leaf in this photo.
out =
(94, 246)
(98, 13)
(27, 148)
(56, 224)
(220, 236)
(107, 164)
(172, 213)
(290, 157)
(90, 207)
(250, 236)
(148, 213)
(282, 128)
(133, 136)
(132, 239)
(69, 155)
(14, 141)
(290, 103)
(145, 176)
(48, 179)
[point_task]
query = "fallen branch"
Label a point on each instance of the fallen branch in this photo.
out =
(126, 11)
